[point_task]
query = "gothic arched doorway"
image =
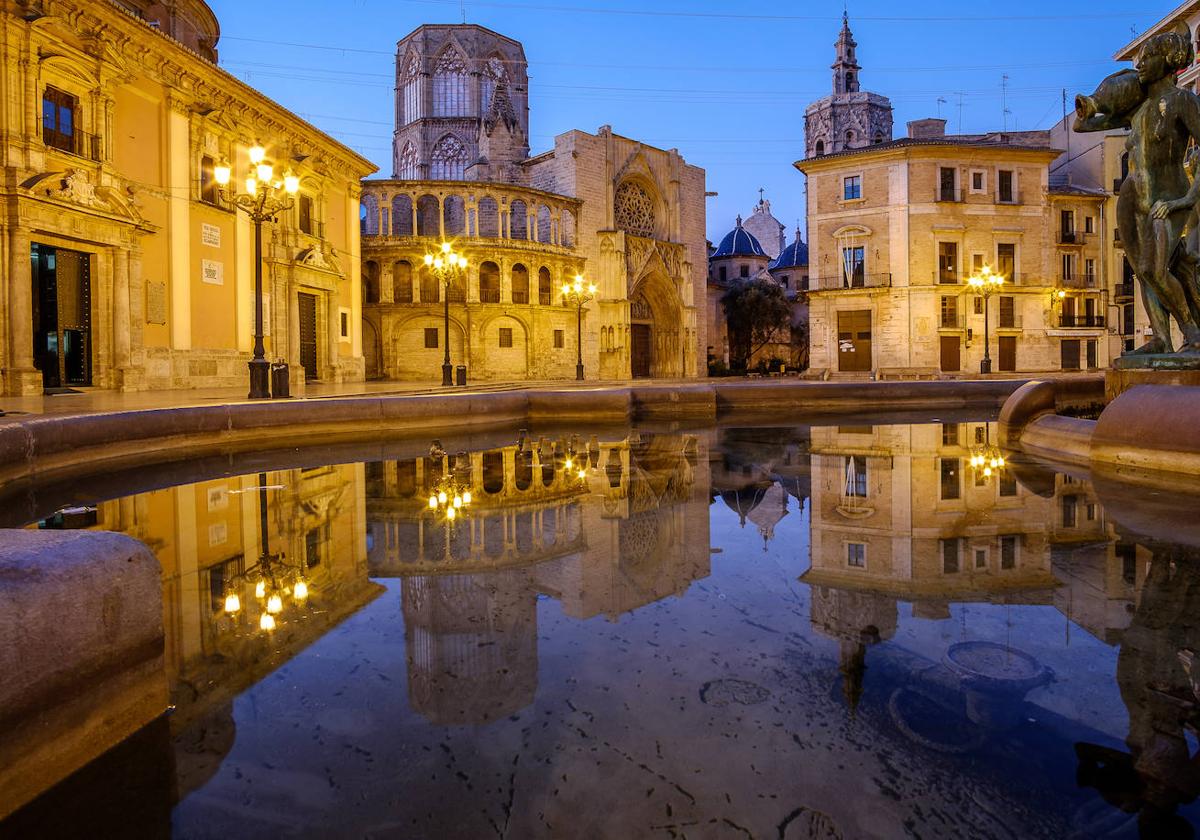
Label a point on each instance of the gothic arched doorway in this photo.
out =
(655, 321)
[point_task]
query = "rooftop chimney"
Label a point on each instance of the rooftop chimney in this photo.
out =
(926, 129)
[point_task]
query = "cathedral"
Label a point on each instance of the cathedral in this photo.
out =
(626, 216)
(849, 118)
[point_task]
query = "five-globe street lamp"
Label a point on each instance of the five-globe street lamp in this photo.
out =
(446, 264)
(265, 197)
(578, 294)
(985, 283)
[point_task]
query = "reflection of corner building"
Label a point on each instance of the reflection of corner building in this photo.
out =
(628, 216)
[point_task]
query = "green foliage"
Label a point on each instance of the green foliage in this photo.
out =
(757, 313)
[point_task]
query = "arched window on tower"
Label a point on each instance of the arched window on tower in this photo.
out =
(410, 82)
(878, 137)
(448, 161)
(408, 162)
(849, 83)
(849, 136)
(820, 148)
(450, 85)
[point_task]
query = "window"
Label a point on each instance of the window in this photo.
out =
(851, 187)
(1069, 508)
(978, 306)
(854, 267)
(408, 162)
(59, 111)
(345, 322)
(305, 209)
(633, 209)
(559, 339)
(489, 282)
(520, 284)
(949, 312)
(1005, 193)
(950, 556)
(819, 149)
(448, 161)
(312, 548)
(209, 188)
(949, 434)
(981, 558)
(856, 477)
(947, 184)
(947, 262)
(1008, 484)
(783, 281)
(402, 282)
(1068, 266)
(1008, 551)
(1128, 554)
(980, 435)
(544, 286)
(1089, 224)
(1067, 225)
(1006, 261)
(411, 80)
(949, 478)
(1090, 512)
(978, 181)
(1008, 312)
(743, 270)
(856, 555)
(450, 86)
(1089, 272)
(431, 337)
(721, 273)
(506, 337)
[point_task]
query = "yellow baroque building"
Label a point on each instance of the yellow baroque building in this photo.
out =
(627, 216)
(126, 266)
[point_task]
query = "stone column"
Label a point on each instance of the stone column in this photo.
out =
(413, 206)
(122, 322)
(333, 323)
(387, 283)
(23, 377)
(441, 217)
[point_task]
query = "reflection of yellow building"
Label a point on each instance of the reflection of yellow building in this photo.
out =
(127, 268)
(631, 531)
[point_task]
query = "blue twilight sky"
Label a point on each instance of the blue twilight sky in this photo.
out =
(725, 88)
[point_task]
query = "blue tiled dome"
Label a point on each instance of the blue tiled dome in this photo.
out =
(739, 242)
(792, 256)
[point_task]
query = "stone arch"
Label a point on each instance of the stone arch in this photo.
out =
(512, 361)
(487, 218)
(402, 216)
(545, 286)
(518, 220)
(520, 284)
(427, 216)
(636, 207)
(523, 474)
(489, 282)
(849, 135)
(448, 160)
(368, 214)
(454, 215)
(372, 350)
(412, 359)
(566, 232)
(402, 281)
(493, 471)
(545, 228)
(370, 282)
(655, 306)
(431, 289)
(819, 149)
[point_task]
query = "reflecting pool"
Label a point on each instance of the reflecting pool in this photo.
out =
(821, 631)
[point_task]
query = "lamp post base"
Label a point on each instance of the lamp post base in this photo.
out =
(579, 371)
(260, 379)
(447, 374)
(985, 366)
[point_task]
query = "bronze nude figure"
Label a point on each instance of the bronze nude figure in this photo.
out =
(1156, 201)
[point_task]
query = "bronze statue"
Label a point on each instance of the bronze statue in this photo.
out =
(1156, 201)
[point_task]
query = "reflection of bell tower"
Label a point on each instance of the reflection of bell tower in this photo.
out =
(856, 620)
(472, 646)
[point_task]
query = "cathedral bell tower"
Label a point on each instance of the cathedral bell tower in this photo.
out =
(850, 118)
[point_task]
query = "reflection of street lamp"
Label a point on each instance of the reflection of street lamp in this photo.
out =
(445, 265)
(449, 494)
(274, 577)
(265, 198)
(578, 294)
(986, 458)
(985, 283)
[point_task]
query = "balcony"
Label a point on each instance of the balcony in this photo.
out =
(1123, 290)
(1084, 321)
(1071, 237)
(1077, 281)
(840, 283)
(79, 143)
(942, 277)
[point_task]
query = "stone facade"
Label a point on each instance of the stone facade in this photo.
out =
(895, 231)
(627, 216)
(850, 118)
(142, 273)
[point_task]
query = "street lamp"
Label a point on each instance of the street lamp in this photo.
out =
(578, 294)
(445, 265)
(985, 283)
(265, 197)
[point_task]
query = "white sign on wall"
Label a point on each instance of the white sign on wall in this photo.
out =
(210, 235)
(212, 271)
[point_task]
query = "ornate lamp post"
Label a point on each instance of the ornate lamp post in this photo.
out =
(445, 265)
(264, 199)
(985, 283)
(577, 294)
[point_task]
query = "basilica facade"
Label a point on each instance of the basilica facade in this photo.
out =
(626, 216)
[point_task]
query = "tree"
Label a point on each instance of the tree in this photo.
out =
(757, 313)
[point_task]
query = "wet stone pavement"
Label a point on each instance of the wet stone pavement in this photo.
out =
(813, 632)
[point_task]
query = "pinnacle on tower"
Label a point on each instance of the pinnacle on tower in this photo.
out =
(845, 68)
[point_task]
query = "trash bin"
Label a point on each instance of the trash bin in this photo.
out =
(280, 387)
(460, 375)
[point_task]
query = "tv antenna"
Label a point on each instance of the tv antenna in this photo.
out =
(1004, 100)
(941, 100)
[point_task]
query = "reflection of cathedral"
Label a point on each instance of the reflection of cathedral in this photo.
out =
(630, 531)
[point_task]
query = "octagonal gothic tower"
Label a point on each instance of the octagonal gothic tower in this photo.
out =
(462, 105)
(850, 118)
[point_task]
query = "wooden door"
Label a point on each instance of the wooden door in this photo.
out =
(640, 350)
(308, 334)
(1070, 354)
(951, 358)
(854, 340)
(1008, 352)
